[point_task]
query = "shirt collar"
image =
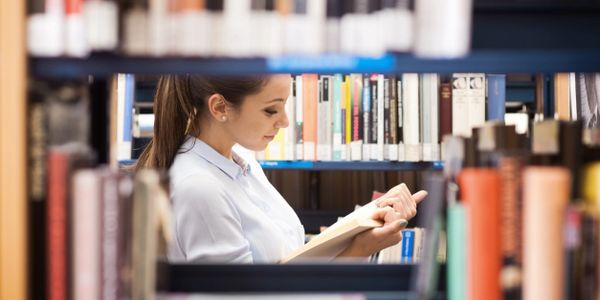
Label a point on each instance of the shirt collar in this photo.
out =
(233, 169)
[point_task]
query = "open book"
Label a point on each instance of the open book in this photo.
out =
(337, 237)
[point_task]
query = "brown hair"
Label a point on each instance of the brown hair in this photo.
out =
(179, 105)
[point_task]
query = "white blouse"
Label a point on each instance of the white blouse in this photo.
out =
(227, 211)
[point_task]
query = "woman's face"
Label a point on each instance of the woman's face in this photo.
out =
(256, 122)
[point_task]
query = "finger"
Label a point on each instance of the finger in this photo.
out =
(419, 196)
(391, 228)
(380, 213)
(406, 194)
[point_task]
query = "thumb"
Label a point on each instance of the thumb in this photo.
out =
(419, 196)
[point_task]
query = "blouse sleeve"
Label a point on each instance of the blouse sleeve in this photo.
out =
(207, 226)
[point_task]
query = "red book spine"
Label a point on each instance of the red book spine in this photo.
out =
(480, 191)
(57, 225)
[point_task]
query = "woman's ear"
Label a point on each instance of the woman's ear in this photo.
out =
(217, 106)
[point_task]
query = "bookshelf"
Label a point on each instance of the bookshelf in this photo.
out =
(557, 38)
(289, 278)
(13, 204)
(485, 61)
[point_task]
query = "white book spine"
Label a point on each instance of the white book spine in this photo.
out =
(270, 34)
(236, 42)
(290, 136)
(195, 33)
(136, 31)
(425, 113)
(86, 235)
(299, 118)
(216, 20)
(476, 100)
(309, 150)
(356, 150)
(435, 136)
(337, 117)
(76, 44)
(45, 31)
(348, 28)
(316, 23)
(158, 27)
(401, 152)
(460, 105)
(410, 91)
(332, 35)
(573, 96)
(101, 23)
(398, 25)
(443, 28)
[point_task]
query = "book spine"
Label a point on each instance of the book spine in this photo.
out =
(561, 96)
(57, 216)
(75, 43)
(337, 117)
(366, 95)
(457, 252)
(445, 109)
(289, 132)
(348, 121)
(309, 134)
(408, 245)
(480, 190)
(496, 97)
(545, 196)
(357, 132)
(299, 120)
(411, 127)
(380, 118)
(86, 235)
(510, 169)
(460, 105)
(476, 100)
(400, 99)
(37, 176)
(393, 147)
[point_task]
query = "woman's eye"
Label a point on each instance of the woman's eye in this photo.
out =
(270, 111)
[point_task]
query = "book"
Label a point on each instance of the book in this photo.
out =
(332, 242)
(545, 198)
(337, 237)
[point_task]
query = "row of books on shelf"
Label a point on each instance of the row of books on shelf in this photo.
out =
(243, 28)
(361, 117)
(102, 230)
(522, 222)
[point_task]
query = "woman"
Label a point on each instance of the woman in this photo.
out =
(224, 208)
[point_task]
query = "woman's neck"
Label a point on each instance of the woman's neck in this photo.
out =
(218, 141)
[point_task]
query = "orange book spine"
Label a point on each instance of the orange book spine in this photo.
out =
(309, 133)
(480, 191)
(546, 193)
(57, 225)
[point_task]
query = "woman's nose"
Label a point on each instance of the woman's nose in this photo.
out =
(284, 122)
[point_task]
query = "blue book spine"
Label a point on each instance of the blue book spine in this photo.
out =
(408, 245)
(496, 97)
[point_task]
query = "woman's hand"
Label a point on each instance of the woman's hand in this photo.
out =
(376, 239)
(400, 198)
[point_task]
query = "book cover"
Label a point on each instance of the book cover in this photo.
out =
(332, 241)
(480, 190)
(545, 198)
(496, 97)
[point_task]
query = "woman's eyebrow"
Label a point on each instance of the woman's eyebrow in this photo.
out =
(275, 100)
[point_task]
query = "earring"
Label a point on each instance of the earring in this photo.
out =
(223, 118)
